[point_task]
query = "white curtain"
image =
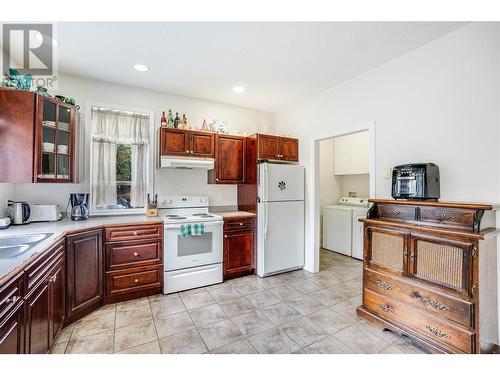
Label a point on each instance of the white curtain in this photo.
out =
(110, 127)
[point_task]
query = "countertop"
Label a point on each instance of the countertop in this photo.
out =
(231, 214)
(58, 229)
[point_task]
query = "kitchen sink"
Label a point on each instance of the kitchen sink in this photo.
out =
(13, 246)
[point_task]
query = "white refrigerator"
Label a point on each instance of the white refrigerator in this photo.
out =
(280, 221)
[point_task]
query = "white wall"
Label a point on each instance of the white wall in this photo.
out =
(6, 193)
(438, 103)
(358, 183)
(167, 182)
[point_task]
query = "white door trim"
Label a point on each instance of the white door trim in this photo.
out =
(315, 207)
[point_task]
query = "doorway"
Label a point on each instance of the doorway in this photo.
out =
(344, 167)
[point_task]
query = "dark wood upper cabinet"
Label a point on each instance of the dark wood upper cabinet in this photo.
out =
(174, 142)
(85, 274)
(17, 116)
(177, 142)
(289, 149)
(268, 146)
(271, 147)
(202, 144)
(230, 160)
(38, 138)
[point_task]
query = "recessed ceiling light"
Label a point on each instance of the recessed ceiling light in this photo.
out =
(48, 40)
(238, 89)
(141, 68)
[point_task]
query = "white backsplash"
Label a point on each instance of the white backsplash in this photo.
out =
(6, 193)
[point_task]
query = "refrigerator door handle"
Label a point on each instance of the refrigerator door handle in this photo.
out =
(266, 183)
(266, 219)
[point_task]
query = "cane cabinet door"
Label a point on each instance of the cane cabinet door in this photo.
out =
(386, 250)
(444, 262)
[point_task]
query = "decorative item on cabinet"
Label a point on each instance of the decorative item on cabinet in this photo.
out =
(170, 119)
(239, 246)
(163, 120)
(183, 122)
(176, 120)
(17, 80)
(422, 276)
(204, 126)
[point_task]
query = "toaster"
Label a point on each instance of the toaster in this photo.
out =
(45, 212)
(416, 181)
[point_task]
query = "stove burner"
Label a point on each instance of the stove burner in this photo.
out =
(175, 217)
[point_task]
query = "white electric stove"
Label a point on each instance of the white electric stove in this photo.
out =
(196, 260)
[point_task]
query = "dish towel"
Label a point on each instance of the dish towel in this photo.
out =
(192, 230)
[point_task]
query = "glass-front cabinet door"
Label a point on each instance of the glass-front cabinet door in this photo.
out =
(55, 134)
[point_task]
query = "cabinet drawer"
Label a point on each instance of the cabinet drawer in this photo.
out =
(133, 253)
(41, 267)
(10, 296)
(433, 302)
(239, 223)
(448, 217)
(424, 324)
(133, 279)
(395, 211)
(134, 232)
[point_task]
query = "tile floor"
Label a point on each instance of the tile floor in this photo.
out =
(296, 312)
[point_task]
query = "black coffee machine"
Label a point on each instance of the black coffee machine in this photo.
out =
(79, 206)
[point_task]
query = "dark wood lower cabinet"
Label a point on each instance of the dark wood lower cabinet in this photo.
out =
(57, 289)
(38, 338)
(239, 247)
(85, 274)
(12, 332)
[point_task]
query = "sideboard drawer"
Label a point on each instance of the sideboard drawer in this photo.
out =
(134, 232)
(133, 254)
(454, 309)
(448, 217)
(424, 324)
(397, 211)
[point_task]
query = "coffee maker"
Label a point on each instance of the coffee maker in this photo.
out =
(79, 206)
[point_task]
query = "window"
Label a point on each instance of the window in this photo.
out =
(120, 164)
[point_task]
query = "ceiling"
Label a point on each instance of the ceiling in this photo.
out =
(278, 63)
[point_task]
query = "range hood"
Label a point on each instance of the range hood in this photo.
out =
(186, 163)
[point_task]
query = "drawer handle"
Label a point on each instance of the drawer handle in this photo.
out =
(445, 217)
(52, 279)
(135, 233)
(241, 224)
(13, 300)
(435, 304)
(136, 280)
(437, 332)
(136, 254)
(383, 285)
(394, 212)
(385, 307)
(225, 236)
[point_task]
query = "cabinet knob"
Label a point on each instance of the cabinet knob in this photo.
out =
(225, 236)
(192, 151)
(241, 224)
(135, 233)
(135, 254)
(187, 151)
(136, 281)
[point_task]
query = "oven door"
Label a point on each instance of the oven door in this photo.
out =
(192, 251)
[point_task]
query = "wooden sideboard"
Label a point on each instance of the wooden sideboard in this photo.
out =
(425, 267)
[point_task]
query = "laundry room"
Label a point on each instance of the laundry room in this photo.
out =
(344, 192)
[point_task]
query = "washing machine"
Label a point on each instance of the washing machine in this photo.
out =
(342, 232)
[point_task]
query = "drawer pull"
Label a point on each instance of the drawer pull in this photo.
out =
(384, 285)
(385, 307)
(435, 304)
(136, 280)
(241, 224)
(52, 279)
(394, 212)
(445, 217)
(13, 300)
(225, 236)
(437, 332)
(136, 254)
(135, 233)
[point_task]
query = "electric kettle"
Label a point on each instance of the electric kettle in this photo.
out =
(19, 212)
